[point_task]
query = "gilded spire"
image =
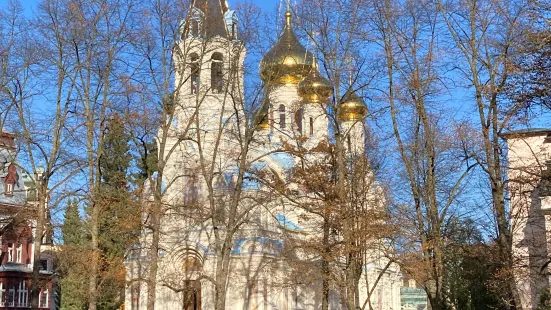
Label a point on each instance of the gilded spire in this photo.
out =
(288, 16)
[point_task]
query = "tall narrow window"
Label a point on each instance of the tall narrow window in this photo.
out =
(23, 294)
(11, 179)
(135, 295)
(9, 189)
(272, 117)
(311, 126)
(196, 22)
(195, 28)
(19, 253)
(194, 77)
(216, 74)
(10, 252)
(298, 120)
(349, 144)
(191, 190)
(11, 295)
(231, 23)
(44, 295)
(282, 116)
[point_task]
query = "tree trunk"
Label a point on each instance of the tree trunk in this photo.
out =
(37, 242)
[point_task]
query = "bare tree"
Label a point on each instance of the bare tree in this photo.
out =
(44, 133)
(486, 35)
(432, 165)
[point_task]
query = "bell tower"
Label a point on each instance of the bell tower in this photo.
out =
(209, 70)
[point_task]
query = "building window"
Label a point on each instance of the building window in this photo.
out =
(10, 252)
(196, 21)
(216, 74)
(44, 298)
(191, 190)
(233, 32)
(311, 126)
(298, 120)
(10, 300)
(282, 116)
(349, 144)
(135, 295)
(271, 117)
(195, 28)
(23, 295)
(2, 294)
(9, 189)
(19, 253)
(44, 265)
(194, 77)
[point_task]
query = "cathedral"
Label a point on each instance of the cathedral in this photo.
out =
(216, 149)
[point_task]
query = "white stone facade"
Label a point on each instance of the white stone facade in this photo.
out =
(529, 153)
(207, 128)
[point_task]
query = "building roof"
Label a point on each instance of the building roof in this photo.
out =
(529, 132)
(214, 22)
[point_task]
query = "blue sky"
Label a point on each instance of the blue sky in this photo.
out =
(266, 5)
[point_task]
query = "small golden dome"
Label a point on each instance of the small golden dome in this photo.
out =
(315, 88)
(287, 62)
(352, 108)
(262, 115)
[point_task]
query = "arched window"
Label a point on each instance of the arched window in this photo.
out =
(311, 126)
(194, 77)
(298, 120)
(272, 117)
(281, 116)
(191, 189)
(195, 28)
(216, 74)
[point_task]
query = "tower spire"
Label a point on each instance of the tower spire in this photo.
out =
(213, 22)
(288, 14)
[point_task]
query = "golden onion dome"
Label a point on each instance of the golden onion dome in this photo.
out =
(352, 108)
(315, 88)
(287, 62)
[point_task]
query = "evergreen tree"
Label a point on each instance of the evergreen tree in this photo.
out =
(73, 259)
(119, 214)
(119, 218)
(73, 230)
